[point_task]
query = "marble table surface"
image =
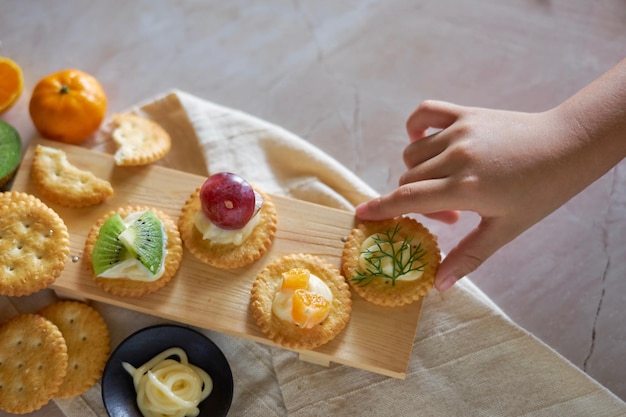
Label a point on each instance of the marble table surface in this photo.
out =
(345, 76)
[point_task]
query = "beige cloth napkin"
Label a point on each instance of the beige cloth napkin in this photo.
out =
(468, 358)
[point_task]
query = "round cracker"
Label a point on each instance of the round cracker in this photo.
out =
(34, 244)
(88, 344)
(379, 290)
(33, 363)
(287, 334)
(140, 140)
(228, 256)
(123, 287)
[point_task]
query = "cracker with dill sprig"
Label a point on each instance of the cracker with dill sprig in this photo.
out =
(379, 256)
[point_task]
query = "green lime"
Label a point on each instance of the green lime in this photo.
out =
(10, 152)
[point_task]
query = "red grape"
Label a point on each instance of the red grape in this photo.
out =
(227, 200)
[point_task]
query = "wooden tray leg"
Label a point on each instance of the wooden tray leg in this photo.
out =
(64, 295)
(315, 359)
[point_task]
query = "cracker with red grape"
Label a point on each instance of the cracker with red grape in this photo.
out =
(228, 255)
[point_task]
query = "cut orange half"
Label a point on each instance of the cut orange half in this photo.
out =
(11, 83)
(308, 309)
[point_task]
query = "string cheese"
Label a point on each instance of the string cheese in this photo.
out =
(169, 388)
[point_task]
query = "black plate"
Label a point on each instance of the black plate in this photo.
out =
(118, 392)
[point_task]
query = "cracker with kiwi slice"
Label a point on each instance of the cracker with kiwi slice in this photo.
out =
(113, 250)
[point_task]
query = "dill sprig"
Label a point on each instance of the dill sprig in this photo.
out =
(374, 258)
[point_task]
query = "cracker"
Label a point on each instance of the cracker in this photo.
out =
(33, 363)
(228, 256)
(63, 183)
(379, 290)
(284, 333)
(34, 244)
(140, 140)
(88, 344)
(123, 287)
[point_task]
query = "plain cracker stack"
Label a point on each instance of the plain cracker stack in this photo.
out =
(34, 244)
(33, 363)
(63, 183)
(88, 344)
(140, 141)
(228, 256)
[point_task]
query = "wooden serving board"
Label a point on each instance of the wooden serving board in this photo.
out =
(377, 339)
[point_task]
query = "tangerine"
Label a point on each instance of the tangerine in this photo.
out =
(68, 106)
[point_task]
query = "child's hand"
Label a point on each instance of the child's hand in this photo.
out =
(511, 168)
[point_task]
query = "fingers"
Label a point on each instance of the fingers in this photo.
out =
(431, 114)
(472, 251)
(421, 197)
(424, 149)
(445, 216)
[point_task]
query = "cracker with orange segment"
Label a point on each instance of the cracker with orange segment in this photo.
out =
(391, 262)
(65, 184)
(34, 244)
(88, 344)
(139, 140)
(33, 363)
(133, 251)
(300, 301)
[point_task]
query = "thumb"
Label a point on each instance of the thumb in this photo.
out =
(446, 216)
(471, 252)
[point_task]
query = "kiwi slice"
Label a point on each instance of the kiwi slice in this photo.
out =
(108, 251)
(145, 238)
(10, 152)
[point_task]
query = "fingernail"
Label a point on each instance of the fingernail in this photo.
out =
(446, 283)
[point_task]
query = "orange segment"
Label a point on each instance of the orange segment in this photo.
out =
(308, 309)
(11, 83)
(297, 278)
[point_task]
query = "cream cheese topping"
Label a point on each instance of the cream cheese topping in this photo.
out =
(282, 304)
(373, 250)
(132, 268)
(217, 235)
